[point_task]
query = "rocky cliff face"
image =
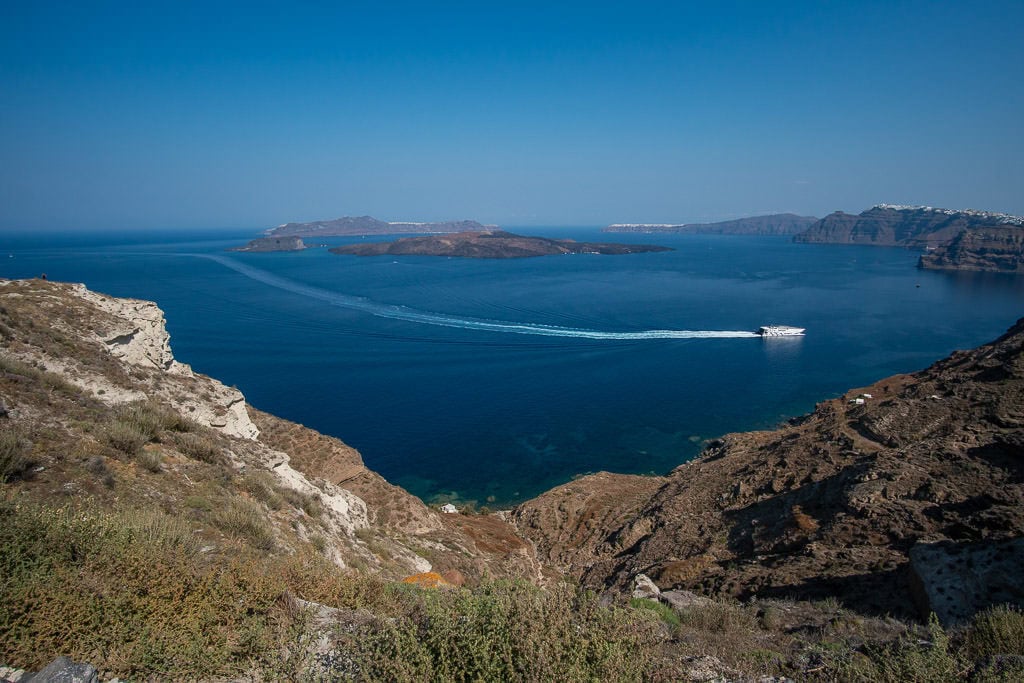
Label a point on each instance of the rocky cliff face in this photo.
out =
(906, 226)
(79, 368)
(831, 506)
(998, 249)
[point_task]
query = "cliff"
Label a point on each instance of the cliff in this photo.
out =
(906, 226)
(495, 244)
(998, 249)
(286, 243)
(774, 224)
(833, 505)
(367, 225)
(128, 414)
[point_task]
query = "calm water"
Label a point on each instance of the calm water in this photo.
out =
(494, 380)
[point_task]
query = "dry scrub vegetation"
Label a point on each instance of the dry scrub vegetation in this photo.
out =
(133, 592)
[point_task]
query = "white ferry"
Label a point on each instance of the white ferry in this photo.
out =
(780, 331)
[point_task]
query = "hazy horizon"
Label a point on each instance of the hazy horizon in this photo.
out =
(238, 117)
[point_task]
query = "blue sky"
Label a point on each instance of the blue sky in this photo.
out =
(148, 115)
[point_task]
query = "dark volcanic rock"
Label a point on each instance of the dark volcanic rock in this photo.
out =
(828, 507)
(908, 226)
(994, 249)
(368, 225)
(489, 244)
(774, 224)
(956, 580)
(290, 243)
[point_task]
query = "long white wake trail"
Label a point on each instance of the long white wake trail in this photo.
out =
(443, 320)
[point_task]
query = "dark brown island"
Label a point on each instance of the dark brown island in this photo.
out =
(290, 243)
(489, 244)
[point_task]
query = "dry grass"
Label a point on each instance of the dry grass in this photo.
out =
(245, 520)
(199, 446)
(14, 454)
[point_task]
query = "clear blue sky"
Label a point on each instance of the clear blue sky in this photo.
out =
(135, 114)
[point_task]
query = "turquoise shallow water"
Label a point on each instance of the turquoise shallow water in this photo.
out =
(494, 380)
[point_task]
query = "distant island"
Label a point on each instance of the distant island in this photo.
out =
(953, 239)
(290, 243)
(368, 225)
(893, 225)
(774, 224)
(492, 244)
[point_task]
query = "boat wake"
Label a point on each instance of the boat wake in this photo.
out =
(443, 320)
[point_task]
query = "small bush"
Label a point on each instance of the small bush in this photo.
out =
(260, 486)
(126, 437)
(911, 659)
(14, 459)
(150, 418)
(198, 503)
(98, 466)
(664, 612)
(199, 447)
(150, 460)
(246, 520)
(996, 631)
(319, 543)
(308, 503)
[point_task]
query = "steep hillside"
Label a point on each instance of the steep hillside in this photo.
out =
(102, 409)
(998, 249)
(890, 225)
(831, 506)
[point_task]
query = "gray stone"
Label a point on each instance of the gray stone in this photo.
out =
(63, 670)
(643, 587)
(680, 599)
(11, 675)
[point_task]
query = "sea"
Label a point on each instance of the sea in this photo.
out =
(487, 382)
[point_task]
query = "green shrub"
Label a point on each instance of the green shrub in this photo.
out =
(126, 591)
(506, 631)
(910, 659)
(664, 612)
(996, 631)
(198, 503)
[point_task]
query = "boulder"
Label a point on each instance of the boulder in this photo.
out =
(644, 588)
(957, 580)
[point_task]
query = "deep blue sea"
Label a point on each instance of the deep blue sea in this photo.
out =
(492, 381)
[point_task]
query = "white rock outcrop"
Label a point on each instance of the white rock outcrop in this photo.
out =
(136, 334)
